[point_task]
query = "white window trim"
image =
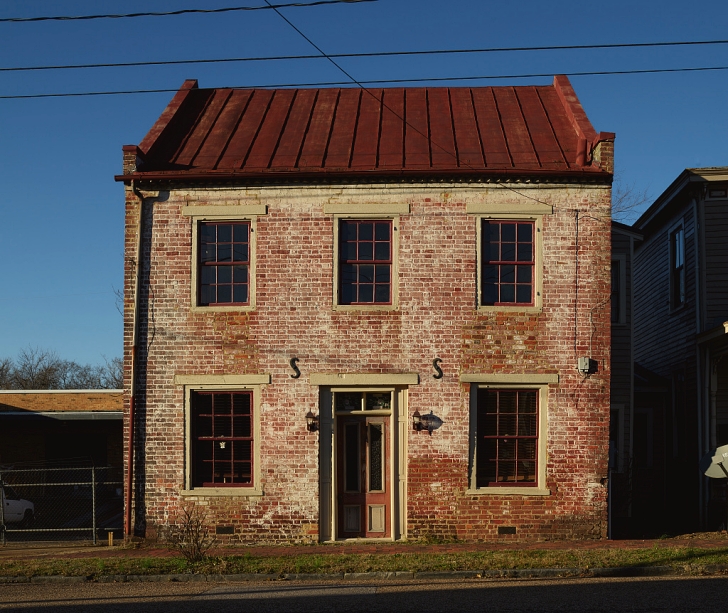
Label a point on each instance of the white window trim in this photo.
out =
(680, 225)
(537, 262)
(199, 214)
(622, 259)
(395, 262)
(536, 382)
(243, 383)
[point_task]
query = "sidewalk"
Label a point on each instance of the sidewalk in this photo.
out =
(30, 551)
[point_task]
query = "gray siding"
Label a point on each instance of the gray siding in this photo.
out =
(716, 262)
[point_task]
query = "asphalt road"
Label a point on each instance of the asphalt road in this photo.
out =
(707, 595)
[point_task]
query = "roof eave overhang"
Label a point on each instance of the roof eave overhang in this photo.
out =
(591, 175)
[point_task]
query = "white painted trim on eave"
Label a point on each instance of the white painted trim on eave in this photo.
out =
(232, 212)
(526, 378)
(221, 379)
(396, 208)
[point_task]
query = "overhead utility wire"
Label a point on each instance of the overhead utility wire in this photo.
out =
(272, 58)
(180, 12)
(373, 82)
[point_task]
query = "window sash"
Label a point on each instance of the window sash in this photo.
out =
(507, 434)
(507, 260)
(222, 439)
(223, 267)
(365, 261)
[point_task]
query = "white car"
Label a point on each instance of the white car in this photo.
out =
(16, 510)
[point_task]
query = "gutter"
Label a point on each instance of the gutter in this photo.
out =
(132, 374)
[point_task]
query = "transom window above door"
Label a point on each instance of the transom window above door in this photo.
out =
(362, 401)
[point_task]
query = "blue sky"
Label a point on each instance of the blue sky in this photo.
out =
(61, 236)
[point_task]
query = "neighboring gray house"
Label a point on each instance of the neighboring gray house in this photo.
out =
(680, 347)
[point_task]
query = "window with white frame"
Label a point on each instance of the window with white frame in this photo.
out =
(677, 267)
(508, 426)
(222, 434)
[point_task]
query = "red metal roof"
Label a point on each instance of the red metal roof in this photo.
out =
(205, 133)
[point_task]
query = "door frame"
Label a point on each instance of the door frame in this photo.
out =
(397, 434)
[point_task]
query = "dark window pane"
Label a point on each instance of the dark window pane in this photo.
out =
(508, 273)
(240, 253)
(348, 293)
(490, 273)
(525, 233)
(224, 274)
(366, 273)
(376, 466)
(224, 233)
(490, 294)
(489, 424)
(240, 274)
(508, 232)
(348, 401)
(381, 231)
(381, 294)
(527, 402)
(381, 251)
(349, 273)
(523, 274)
(224, 252)
(507, 293)
(207, 294)
(241, 404)
(203, 426)
(207, 233)
(525, 252)
(366, 251)
(507, 402)
(366, 231)
(491, 231)
(348, 251)
(208, 253)
(351, 457)
(240, 233)
(241, 426)
(527, 425)
(366, 293)
(240, 293)
(523, 294)
(507, 424)
(508, 252)
(348, 231)
(224, 294)
(381, 273)
(492, 252)
(207, 274)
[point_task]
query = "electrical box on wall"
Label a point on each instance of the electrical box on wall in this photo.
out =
(587, 366)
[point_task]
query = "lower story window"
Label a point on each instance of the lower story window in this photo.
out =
(222, 438)
(507, 425)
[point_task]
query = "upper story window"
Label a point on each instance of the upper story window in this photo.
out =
(224, 263)
(365, 262)
(507, 263)
(677, 267)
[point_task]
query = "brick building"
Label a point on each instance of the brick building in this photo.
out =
(359, 314)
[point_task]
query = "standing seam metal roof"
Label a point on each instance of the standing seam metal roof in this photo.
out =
(399, 131)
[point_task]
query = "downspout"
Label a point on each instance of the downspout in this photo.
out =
(132, 373)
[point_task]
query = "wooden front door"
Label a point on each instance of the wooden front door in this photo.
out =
(363, 489)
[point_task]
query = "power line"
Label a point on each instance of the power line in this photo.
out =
(376, 82)
(362, 55)
(180, 12)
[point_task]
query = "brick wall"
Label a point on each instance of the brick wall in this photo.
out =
(436, 318)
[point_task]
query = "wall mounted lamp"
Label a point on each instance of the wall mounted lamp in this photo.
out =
(428, 422)
(312, 422)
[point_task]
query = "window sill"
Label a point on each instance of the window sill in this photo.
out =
(365, 307)
(508, 491)
(513, 308)
(222, 309)
(223, 491)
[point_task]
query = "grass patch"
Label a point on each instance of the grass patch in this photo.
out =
(687, 559)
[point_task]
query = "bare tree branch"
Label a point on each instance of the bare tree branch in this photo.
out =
(628, 202)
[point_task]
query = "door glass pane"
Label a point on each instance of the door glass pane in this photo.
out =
(376, 452)
(352, 459)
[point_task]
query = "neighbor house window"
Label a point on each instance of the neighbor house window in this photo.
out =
(221, 438)
(365, 262)
(224, 263)
(507, 437)
(507, 263)
(677, 268)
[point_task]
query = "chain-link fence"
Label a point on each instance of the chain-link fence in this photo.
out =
(53, 503)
